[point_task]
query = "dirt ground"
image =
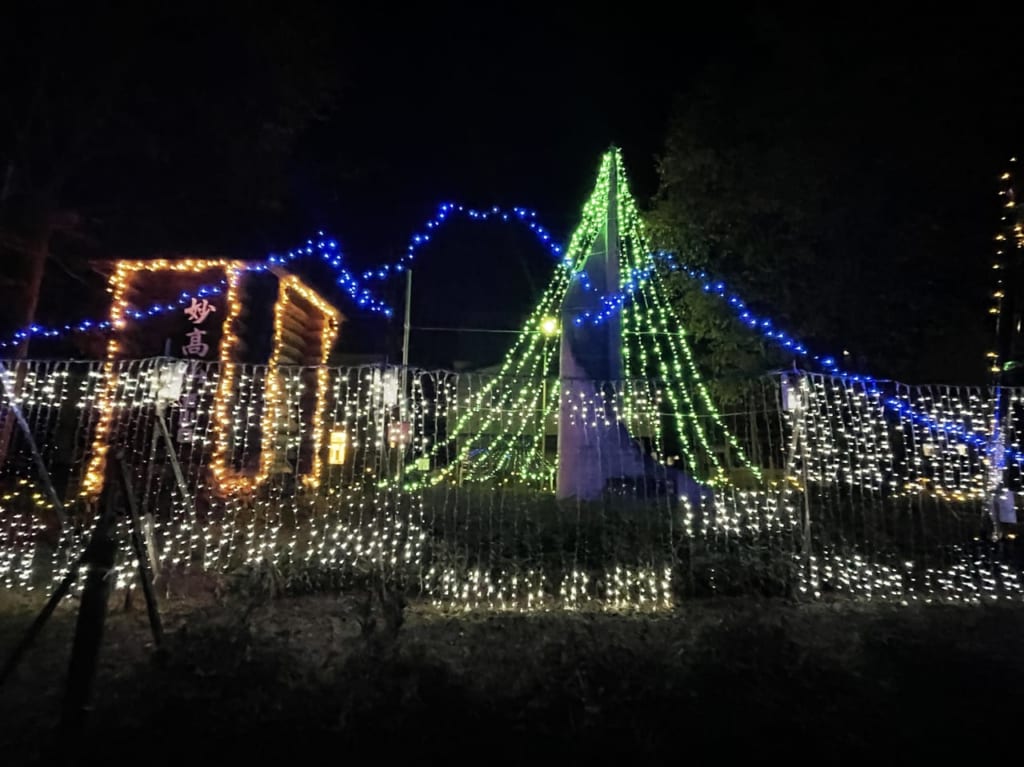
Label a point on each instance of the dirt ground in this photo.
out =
(262, 681)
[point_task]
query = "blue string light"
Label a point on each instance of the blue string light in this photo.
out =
(327, 249)
(904, 409)
(329, 252)
(762, 324)
(613, 303)
(957, 431)
(184, 297)
(448, 211)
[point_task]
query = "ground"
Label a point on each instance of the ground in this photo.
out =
(266, 680)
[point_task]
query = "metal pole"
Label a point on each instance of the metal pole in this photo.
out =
(405, 330)
(402, 401)
(800, 444)
(141, 554)
(798, 451)
(172, 458)
(997, 459)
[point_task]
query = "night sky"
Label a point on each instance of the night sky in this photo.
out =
(515, 109)
(508, 110)
(502, 105)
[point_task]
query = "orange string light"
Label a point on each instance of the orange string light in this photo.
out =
(225, 479)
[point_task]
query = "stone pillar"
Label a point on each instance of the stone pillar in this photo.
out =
(590, 371)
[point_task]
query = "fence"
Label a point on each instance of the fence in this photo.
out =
(821, 485)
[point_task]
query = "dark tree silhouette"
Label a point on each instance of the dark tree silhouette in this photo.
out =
(147, 128)
(826, 178)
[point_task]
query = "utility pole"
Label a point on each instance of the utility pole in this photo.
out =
(403, 409)
(1005, 359)
(405, 331)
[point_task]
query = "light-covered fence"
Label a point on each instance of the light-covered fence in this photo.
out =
(330, 475)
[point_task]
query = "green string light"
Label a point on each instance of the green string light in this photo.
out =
(511, 403)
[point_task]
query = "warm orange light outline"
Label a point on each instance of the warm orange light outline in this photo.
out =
(120, 281)
(224, 479)
(272, 391)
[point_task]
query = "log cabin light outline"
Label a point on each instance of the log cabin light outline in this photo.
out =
(295, 304)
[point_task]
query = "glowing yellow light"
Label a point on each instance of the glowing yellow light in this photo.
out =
(336, 447)
(224, 479)
(225, 387)
(272, 393)
(119, 284)
(549, 326)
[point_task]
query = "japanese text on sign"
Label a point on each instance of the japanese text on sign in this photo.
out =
(197, 312)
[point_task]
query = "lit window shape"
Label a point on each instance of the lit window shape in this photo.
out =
(291, 291)
(337, 447)
(292, 294)
(121, 284)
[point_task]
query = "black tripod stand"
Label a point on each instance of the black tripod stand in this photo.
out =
(99, 559)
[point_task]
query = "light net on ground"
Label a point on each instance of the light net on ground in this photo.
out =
(863, 489)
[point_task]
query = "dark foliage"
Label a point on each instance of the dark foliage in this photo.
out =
(838, 200)
(736, 679)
